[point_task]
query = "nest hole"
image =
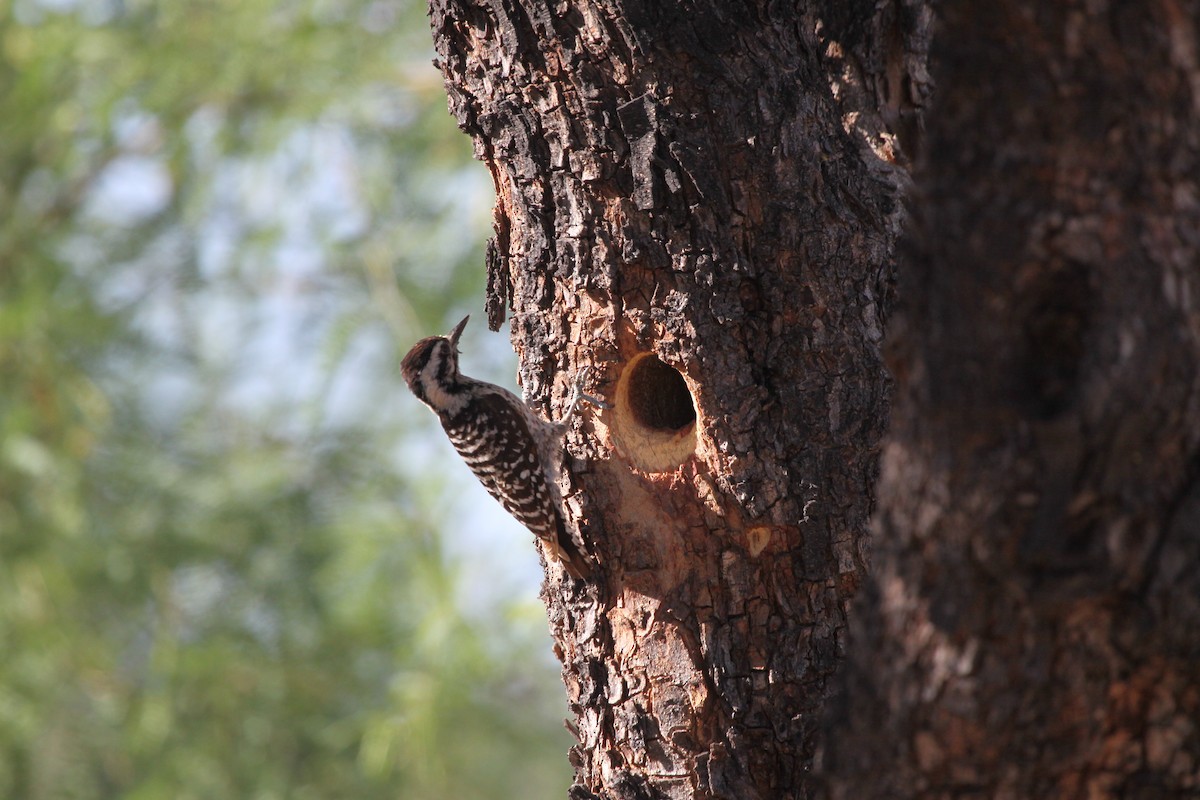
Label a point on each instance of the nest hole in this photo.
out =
(655, 420)
(658, 396)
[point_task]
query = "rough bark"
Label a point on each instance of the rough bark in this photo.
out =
(692, 183)
(1032, 625)
(717, 187)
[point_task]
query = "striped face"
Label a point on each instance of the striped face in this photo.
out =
(431, 371)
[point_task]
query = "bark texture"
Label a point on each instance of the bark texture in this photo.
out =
(1032, 626)
(698, 201)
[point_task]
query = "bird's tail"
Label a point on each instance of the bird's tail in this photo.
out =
(566, 550)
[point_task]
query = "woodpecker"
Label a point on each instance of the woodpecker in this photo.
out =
(516, 455)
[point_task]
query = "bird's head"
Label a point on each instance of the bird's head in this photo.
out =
(431, 367)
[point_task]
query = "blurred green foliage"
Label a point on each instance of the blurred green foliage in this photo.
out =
(220, 567)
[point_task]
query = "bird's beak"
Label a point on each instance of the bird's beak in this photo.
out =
(457, 332)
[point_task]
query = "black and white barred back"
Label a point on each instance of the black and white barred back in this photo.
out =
(515, 454)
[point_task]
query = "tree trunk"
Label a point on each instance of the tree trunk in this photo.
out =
(703, 205)
(1032, 628)
(681, 205)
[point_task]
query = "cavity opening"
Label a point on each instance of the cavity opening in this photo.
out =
(658, 396)
(654, 420)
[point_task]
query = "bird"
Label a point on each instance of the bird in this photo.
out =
(515, 454)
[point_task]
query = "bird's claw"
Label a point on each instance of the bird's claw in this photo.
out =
(578, 393)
